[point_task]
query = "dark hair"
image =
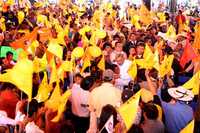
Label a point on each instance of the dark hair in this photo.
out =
(168, 50)
(87, 83)
(106, 112)
(78, 75)
(135, 129)
(140, 43)
(165, 95)
(9, 53)
(32, 107)
(106, 44)
(151, 111)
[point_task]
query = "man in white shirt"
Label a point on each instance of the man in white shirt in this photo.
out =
(124, 65)
(105, 94)
(79, 99)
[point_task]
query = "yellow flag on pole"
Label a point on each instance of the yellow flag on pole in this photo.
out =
(63, 100)
(21, 76)
(55, 49)
(128, 110)
(147, 61)
(20, 16)
(53, 102)
(145, 15)
(101, 64)
(166, 65)
(189, 128)
(86, 63)
(54, 76)
(193, 83)
(132, 71)
(44, 90)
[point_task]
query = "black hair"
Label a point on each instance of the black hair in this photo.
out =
(9, 53)
(32, 107)
(135, 129)
(168, 50)
(106, 44)
(150, 111)
(140, 43)
(106, 112)
(78, 75)
(87, 83)
(165, 95)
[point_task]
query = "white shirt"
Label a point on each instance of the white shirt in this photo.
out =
(124, 77)
(5, 120)
(79, 99)
(32, 128)
(99, 97)
(105, 94)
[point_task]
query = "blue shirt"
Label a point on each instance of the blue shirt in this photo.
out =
(177, 116)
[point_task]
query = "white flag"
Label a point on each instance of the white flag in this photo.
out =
(109, 125)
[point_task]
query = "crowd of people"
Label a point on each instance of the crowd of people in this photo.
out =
(98, 70)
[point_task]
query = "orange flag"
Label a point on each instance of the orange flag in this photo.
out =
(20, 43)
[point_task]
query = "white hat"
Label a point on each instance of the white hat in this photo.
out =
(181, 94)
(165, 37)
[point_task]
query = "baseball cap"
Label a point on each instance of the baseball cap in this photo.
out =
(108, 75)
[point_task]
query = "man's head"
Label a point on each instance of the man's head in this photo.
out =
(150, 111)
(140, 48)
(120, 59)
(179, 12)
(132, 37)
(118, 46)
(108, 75)
(9, 56)
(78, 78)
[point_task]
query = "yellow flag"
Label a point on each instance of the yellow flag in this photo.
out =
(10, 2)
(147, 61)
(161, 16)
(44, 90)
(55, 49)
(171, 33)
(101, 64)
(132, 71)
(21, 76)
(86, 63)
(61, 37)
(196, 43)
(53, 102)
(54, 76)
(128, 111)
(36, 65)
(135, 21)
(2, 24)
(20, 16)
(189, 128)
(67, 66)
(166, 65)
(32, 48)
(43, 63)
(193, 83)
(63, 100)
(145, 15)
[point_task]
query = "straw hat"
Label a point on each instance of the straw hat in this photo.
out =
(181, 94)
